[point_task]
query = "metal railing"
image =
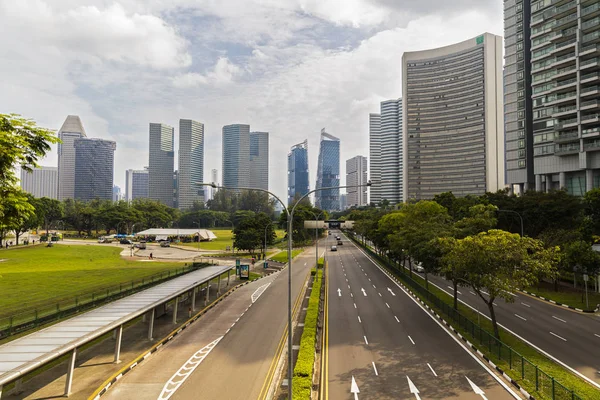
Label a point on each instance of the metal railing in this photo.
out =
(544, 383)
(57, 309)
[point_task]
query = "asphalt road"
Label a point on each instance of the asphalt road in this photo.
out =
(566, 335)
(378, 335)
(231, 350)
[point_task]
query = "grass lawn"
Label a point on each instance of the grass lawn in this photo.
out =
(39, 275)
(282, 256)
(561, 375)
(224, 239)
(571, 298)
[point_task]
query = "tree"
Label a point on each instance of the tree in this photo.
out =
(579, 257)
(303, 212)
(16, 210)
(27, 220)
(591, 202)
(498, 263)
(249, 232)
(49, 211)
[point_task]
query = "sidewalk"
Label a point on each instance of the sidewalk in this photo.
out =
(95, 364)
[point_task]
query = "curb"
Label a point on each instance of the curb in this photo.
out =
(561, 304)
(141, 358)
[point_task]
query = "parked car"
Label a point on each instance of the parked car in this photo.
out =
(165, 243)
(125, 241)
(141, 245)
(419, 267)
(340, 242)
(333, 248)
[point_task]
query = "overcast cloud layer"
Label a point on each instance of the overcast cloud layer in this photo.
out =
(289, 67)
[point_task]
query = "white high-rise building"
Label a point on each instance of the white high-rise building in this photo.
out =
(71, 129)
(236, 155)
(391, 156)
(259, 160)
(136, 184)
(161, 163)
(191, 163)
(41, 182)
(453, 122)
(214, 178)
(356, 175)
(375, 157)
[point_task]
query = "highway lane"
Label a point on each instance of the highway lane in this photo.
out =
(382, 338)
(229, 352)
(566, 335)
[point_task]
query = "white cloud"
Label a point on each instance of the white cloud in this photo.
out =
(223, 73)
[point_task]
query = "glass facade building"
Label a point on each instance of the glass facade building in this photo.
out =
(375, 156)
(328, 173)
(191, 163)
(161, 163)
(94, 169)
(236, 155)
(298, 171)
(356, 175)
(259, 160)
(136, 184)
(71, 130)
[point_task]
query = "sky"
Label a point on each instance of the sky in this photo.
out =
(288, 67)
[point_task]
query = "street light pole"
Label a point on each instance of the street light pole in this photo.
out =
(198, 223)
(317, 240)
(520, 217)
(265, 246)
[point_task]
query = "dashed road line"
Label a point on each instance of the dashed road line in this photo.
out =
(388, 306)
(366, 341)
(526, 305)
(432, 371)
(397, 320)
(561, 338)
(560, 319)
(375, 368)
(354, 305)
(411, 340)
(518, 316)
(359, 321)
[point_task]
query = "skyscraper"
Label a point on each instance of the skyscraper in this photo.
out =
(71, 129)
(356, 175)
(298, 171)
(161, 163)
(453, 128)
(328, 173)
(236, 155)
(552, 58)
(392, 156)
(191, 163)
(375, 156)
(94, 169)
(117, 194)
(41, 182)
(136, 184)
(214, 178)
(259, 160)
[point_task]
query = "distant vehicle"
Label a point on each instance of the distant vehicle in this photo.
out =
(105, 239)
(125, 241)
(141, 245)
(329, 233)
(333, 248)
(340, 243)
(337, 238)
(165, 243)
(419, 267)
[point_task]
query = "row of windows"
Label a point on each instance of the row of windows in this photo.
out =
(445, 59)
(426, 71)
(461, 91)
(433, 105)
(447, 83)
(454, 108)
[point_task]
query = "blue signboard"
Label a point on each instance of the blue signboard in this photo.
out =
(244, 272)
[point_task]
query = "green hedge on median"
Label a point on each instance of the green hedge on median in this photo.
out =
(303, 371)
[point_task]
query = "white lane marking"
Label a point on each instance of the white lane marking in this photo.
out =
(518, 316)
(526, 305)
(595, 334)
(390, 290)
(476, 389)
(380, 295)
(511, 293)
(259, 292)
(432, 371)
(374, 287)
(339, 292)
(348, 286)
(388, 306)
(413, 389)
(351, 295)
(186, 370)
(473, 293)
(561, 320)
(375, 368)
(354, 305)
(359, 321)
(366, 341)
(561, 338)
(487, 294)
(397, 320)
(412, 341)
(364, 292)
(369, 279)
(305, 264)
(457, 291)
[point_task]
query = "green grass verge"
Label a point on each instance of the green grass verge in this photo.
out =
(303, 371)
(572, 299)
(282, 256)
(39, 275)
(224, 239)
(582, 388)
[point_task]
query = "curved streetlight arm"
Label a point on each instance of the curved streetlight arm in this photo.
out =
(520, 217)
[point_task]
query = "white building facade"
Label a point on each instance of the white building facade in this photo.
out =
(41, 182)
(356, 175)
(191, 163)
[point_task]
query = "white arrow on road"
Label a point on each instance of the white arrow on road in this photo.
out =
(476, 389)
(340, 292)
(390, 290)
(354, 388)
(364, 292)
(413, 389)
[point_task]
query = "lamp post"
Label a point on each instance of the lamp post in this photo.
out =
(198, 223)
(290, 216)
(317, 240)
(265, 247)
(520, 217)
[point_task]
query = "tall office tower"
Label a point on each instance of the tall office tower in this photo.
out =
(136, 184)
(71, 129)
(356, 175)
(298, 171)
(236, 155)
(214, 178)
(175, 187)
(518, 117)
(391, 158)
(259, 160)
(94, 169)
(161, 163)
(564, 125)
(117, 195)
(41, 182)
(375, 155)
(328, 173)
(191, 163)
(343, 201)
(453, 128)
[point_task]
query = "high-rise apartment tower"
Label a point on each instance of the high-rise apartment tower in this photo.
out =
(191, 163)
(161, 163)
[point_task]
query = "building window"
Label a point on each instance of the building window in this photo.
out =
(521, 144)
(521, 94)
(521, 163)
(521, 153)
(519, 17)
(521, 114)
(520, 75)
(521, 134)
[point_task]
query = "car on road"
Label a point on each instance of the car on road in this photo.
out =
(165, 243)
(141, 245)
(105, 239)
(339, 242)
(419, 267)
(125, 241)
(333, 248)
